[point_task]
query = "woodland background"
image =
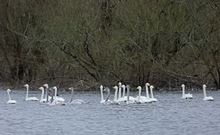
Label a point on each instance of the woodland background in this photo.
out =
(93, 42)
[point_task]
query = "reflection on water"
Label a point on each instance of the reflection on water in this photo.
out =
(171, 115)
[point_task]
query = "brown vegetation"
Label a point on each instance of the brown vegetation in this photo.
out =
(166, 42)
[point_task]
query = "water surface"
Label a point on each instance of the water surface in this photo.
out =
(171, 115)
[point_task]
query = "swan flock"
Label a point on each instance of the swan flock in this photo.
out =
(121, 95)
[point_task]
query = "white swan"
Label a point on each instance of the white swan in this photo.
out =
(152, 95)
(147, 93)
(9, 98)
(141, 99)
(42, 99)
(56, 98)
(119, 90)
(123, 88)
(76, 101)
(29, 98)
(186, 96)
(116, 93)
(47, 97)
(124, 98)
(128, 101)
(206, 98)
(107, 101)
(147, 90)
(102, 97)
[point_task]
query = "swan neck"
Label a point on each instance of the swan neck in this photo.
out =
(147, 92)
(151, 92)
(46, 95)
(183, 91)
(139, 95)
(123, 92)
(9, 96)
(128, 94)
(101, 90)
(107, 96)
(71, 99)
(204, 91)
(55, 92)
(42, 94)
(52, 97)
(116, 94)
(27, 92)
(119, 92)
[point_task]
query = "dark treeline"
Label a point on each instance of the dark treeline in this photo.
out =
(91, 42)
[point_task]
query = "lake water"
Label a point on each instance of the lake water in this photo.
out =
(171, 115)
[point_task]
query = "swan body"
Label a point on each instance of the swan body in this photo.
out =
(32, 99)
(209, 98)
(29, 98)
(111, 102)
(76, 101)
(206, 98)
(186, 96)
(9, 98)
(59, 99)
(56, 103)
(152, 95)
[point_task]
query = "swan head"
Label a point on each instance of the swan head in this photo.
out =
(119, 84)
(128, 86)
(204, 86)
(115, 87)
(71, 88)
(107, 89)
(41, 88)
(139, 87)
(151, 86)
(54, 87)
(46, 85)
(182, 85)
(123, 86)
(8, 90)
(147, 84)
(101, 87)
(26, 85)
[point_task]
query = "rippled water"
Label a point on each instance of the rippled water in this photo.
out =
(171, 115)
